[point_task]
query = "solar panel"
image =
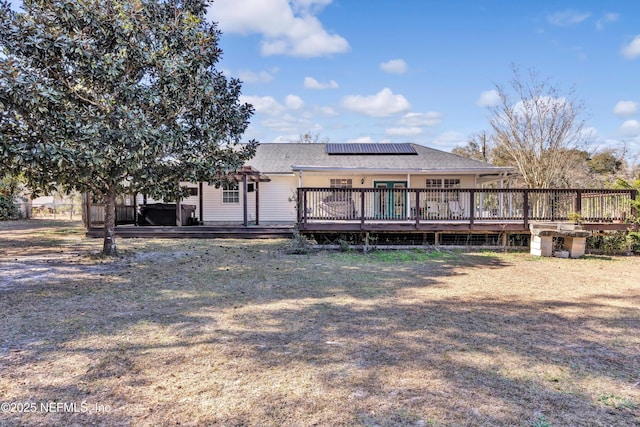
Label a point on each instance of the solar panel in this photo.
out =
(371, 149)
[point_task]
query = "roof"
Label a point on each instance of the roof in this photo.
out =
(274, 158)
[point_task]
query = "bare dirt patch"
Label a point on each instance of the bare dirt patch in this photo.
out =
(231, 332)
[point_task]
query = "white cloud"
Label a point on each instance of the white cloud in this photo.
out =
(311, 83)
(608, 18)
(632, 50)
(382, 104)
(248, 76)
(625, 108)
(567, 18)
(326, 111)
(489, 98)
(543, 105)
(294, 102)
(264, 104)
(286, 29)
(631, 128)
(361, 140)
(430, 118)
(289, 124)
(404, 131)
(449, 140)
(395, 66)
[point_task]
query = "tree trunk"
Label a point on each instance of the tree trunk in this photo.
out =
(109, 248)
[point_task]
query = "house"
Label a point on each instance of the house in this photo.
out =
(278, 169)
(392, 188)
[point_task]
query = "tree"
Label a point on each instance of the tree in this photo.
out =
(477, 148)
(8, 194)
(116, 96)
(311, 138)
(536, 127)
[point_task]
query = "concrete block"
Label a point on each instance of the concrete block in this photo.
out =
(541, 245)
(576, 246)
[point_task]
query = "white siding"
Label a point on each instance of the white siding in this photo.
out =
(277, 202)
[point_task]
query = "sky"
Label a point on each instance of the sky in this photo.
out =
(425, 71)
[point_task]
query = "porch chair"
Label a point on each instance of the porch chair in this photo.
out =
(455, 211)
(432, 209)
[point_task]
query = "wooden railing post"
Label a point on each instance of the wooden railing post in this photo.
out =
(362, 193)
(578, 205)
(525, 207)
(417, 213)
(472, 207)
(299, 204)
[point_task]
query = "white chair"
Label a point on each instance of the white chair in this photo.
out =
(432, 209)
(455, 211)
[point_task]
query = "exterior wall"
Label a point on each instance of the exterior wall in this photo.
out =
(415, 180)
(214, 210)
(277, 202)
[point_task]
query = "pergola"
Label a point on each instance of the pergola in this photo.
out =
(245, 175)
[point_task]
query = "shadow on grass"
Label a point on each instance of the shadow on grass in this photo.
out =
(384, 334)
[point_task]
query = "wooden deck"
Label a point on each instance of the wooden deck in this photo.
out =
(199, 232)
(439, 226)
(459, 210)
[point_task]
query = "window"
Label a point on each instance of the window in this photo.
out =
(193, 191)
(340, 183)
(230, 193)
(452, 183)
(442, 183)
(433, 183)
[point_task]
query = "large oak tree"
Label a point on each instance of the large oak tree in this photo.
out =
(116, 96)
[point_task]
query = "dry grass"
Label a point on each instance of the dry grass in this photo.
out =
(234, 333)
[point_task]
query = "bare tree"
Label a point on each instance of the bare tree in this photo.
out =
(537, 127)
(477, 147)
(311, 138)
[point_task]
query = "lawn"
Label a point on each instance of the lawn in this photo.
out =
(240, 333)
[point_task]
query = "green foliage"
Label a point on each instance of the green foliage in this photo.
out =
(617, 402)
(117, 97)
(611, 243)
(8, 208)
(8, 195)
(541, 421)
(299, 245)
(605, 162)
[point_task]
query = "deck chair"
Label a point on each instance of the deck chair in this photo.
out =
(432, 209)
(455, 211)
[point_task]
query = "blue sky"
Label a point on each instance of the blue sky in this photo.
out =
(423, 71)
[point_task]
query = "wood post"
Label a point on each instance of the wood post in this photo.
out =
(244, 200)
(417, 213)
(257, 189)
(362, 193)
(200, 202)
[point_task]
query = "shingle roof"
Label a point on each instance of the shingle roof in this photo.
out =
(288, 157)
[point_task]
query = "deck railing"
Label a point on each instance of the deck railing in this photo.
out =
(124, 214)
(463, 204)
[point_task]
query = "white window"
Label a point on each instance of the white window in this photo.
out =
(442, 183)
(433, 183)
(451, 183)
(340, 183)
(230, 193)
